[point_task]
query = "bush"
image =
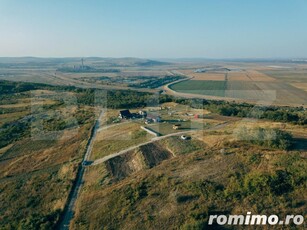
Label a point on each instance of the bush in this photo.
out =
(271, 138)
(282, 182)
(257, 183)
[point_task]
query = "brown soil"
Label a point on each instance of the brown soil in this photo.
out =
(146, 156)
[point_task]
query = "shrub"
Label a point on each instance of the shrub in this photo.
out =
(271, 138)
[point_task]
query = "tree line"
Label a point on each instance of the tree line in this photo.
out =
(128, 99)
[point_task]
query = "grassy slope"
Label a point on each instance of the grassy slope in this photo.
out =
(36, 175)
(181, 192)
(115, 139)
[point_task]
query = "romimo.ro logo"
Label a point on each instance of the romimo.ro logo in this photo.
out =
(249, 219)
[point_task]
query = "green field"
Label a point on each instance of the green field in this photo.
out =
(279, 92)
(212, 88)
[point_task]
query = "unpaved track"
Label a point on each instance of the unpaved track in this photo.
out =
(106, 158)
(69, 208)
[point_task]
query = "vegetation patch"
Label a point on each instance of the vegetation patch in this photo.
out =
(182, 192)
(156, 82)
(271, 138)
(212, 88)
(178, 146)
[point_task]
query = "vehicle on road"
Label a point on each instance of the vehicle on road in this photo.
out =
(184, 137)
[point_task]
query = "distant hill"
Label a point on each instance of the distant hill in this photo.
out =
(115, 62)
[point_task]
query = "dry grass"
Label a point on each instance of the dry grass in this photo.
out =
(29, 103)
(170, 104)
(211, 139)
(109, 114)
(249, 75)
(238, 76)
(120, 132)
(150, 198)
(41, 171)
(208, 76)
(36, 175)
(257, 76)
(302, 86)
(117, 138)
(8, 117)
(6, 148)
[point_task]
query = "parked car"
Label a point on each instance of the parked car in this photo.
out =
(184, 137)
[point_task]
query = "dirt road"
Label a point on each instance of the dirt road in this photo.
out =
(69, 208)
(106, 158)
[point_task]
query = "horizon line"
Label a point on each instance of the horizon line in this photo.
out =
(157, 58)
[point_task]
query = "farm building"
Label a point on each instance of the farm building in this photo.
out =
(125, 114)
(152, 119)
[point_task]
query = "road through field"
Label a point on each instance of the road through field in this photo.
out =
(69, 208)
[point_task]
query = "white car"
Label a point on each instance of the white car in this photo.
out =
(184, 137)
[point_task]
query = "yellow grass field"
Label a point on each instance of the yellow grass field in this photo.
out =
(208, 76)
(257, 76)
(302, 86)
(238, 76)
(117, 138)
(246, 75)
(28, 103)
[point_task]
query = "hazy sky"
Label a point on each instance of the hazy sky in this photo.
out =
(154, 28)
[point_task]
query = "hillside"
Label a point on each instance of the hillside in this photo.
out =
(42, 142)
(226, 177)
(236, 160)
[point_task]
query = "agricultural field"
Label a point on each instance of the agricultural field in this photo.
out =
(212, 88)
(284, 83)
(277, 87)
(302, 86)
(136, 180)
(228, 89)
(208, 76)
(289, 75)
(94, 73)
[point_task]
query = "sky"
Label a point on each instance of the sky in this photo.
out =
(154, 28)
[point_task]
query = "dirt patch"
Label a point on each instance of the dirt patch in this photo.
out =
(154, 154)
(123, 166)
(146, 156)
